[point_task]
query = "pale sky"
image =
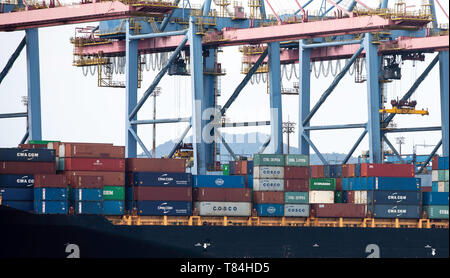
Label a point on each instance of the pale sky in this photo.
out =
(75, 109)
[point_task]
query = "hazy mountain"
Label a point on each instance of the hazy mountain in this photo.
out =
(249, 144)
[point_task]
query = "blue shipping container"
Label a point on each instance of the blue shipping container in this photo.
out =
(51, 207)
(164, 208)
(37, 155)
(338, 171)
(250, 167)
(87, 194)
(394, 197)
(276, 210)
(327, 171)
(113, 207)
(162, 179)
(50, 194)
(435, 198)
(357, 170)
(250, 181)
(20, 205)
(17, 194)
(88, 207)
(232, 168)
(435, 186)
(385, 183)
(16, 180)
(219, 181)
(395, 211)
(443, 163)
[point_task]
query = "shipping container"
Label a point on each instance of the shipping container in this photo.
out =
(291, 172)
(32, 146)
(169, 208)
(441, 175)
(296, 185)
(42, 142)
(92, 151)
(296, 197)
(50, 194)
(87, 194)
(426, 189)
(338, 197)
(250, 181)
(360, 197)
(395, 211)
(296, 210)
(270, 210)
(154, 193)
(338, 184)
(226, 169)
(443, 163)
(223, 208)
(212, 194)
(321, 197)
(114, 193)
(425, 180)
(16, 194)
(219, 181)
(94, 164)
(77, 178)
(27, 155)
(155, 165)
(50, 181)
(19, 205)
(161, 179)
(27, 168)
(436, 212)
(60, 147)
(268, 197)
(268, 160)
(357, 170)
(268, 172)
(391, 183)
(435, 175)
(88, 207)
(387, 170)
(317, 171)
(296, 160)
(268, 184)
(250, 166)
(435, 198)
(339, 210)
(435, 163)
(322, 184)
(16, 181)
(51, 207)
(113, 207)
(240, 167)
(394, 197)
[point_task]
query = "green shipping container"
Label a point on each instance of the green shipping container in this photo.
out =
(441, 175)
(60, 164)
(296, 160)
(445, 175)
(268, 160)
(42, 142)
(226, 169)
(114, 193)
(446, 186)
(338, 197)
(296, 197)
(437, 212)
(328, 184)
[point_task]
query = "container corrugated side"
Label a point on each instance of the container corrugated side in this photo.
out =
(296, 210)
(296, 197)
(155, 165)
(296, 160)
(113, 207)
(50, 194)
(395, 211)
(394, 197)
(435, 175)
(321, 197)
(161, 179)
(387, 170)
(339, 210)
(322, 184)
(27, 168)
(435, 198)
(170, 208)
(268, 184)
(20, 205)
(36, 155)
(223, 208)
(94, 164)
(87, 194)
(17, 194)
(50, 181)
(436, 212)
(51, 207)
(270, 210)
(268, 160)
(268, 172)
(114, 193)
(219, 181)
(88, 207)
(23, 181)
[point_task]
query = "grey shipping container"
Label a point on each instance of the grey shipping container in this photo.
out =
(296, 210)
(223, 208)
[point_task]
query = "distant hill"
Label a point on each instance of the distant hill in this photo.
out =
(248, 149)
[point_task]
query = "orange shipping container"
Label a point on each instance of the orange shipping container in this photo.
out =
(109, 178)
(268, 197)
(155, 165)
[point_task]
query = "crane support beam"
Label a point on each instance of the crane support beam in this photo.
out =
(161, 121)
(178, 142)
(304, 100)
(166, 20)
(303, 7)
(349, 126)
(264, 145)
(443, 75)
(136, 137)
(12, 59)
(131, 82)
(324, 161)
(13, 115)
(430, 157)
(352, 150)
(386, 140)
(327, 44)
(412, 129)
(276, 112)
(225, 144)
(24, 138)
(157, 35)
(244, 124)
(350, 14)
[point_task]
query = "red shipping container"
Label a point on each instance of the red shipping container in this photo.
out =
(387, 170)
(32, 146)
(296, 172)
(338, 184)
(94, 150)
(155, 165)
(109, 178)
(240, 167)
(339, 210)
(50, 181)
(87, 182)
(268, 197)
(156, 193)
(211, 194)
(351, 197)
(296, 185)
(15, 167)
(426, 189)
(55, 146)
(316, 171)
(94, 164)
(435, 163)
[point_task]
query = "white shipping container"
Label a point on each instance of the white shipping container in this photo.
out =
(321, 197)
(435, 175)
(441, 186)
(268, 185)
(223, 208)
(361, 197)
(268, 172)
(296, 210)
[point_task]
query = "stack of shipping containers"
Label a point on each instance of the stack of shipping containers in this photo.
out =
(268, 184)
(90, 169)
(158, 187)
(321, 191)
(436, 202)
(17, 169)
(296, 185)
(51, 194)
